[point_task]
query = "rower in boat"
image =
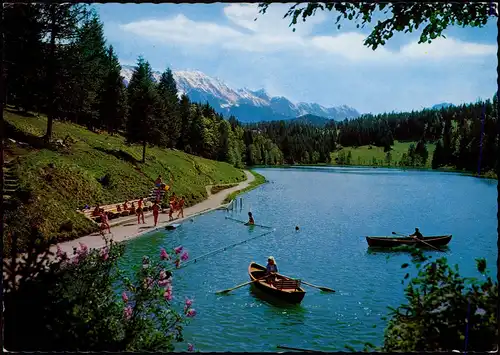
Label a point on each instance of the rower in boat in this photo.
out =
(271, 270)
(417, 234)
(250, 222)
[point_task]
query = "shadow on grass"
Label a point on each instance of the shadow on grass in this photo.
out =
(20, 136)
(19, 112)
(120, 154)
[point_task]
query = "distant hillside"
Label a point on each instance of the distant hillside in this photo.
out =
(313, 120)
(245, 104)
(442, 105)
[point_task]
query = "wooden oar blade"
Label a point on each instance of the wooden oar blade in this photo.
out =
(326, 289)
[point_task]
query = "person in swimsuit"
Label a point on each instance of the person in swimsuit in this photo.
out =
(96, 212)
(250, 222)
(158, 181)
(104, 221)
(271, 270)
(417, 234)
(180, 206)
(140, 212)
(156, 212)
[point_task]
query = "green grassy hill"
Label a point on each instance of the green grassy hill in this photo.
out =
(365, 155)
(57, 181)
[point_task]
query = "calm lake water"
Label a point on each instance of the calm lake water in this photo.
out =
(335, 208)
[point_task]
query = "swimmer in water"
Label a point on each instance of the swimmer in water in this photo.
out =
(250, 222)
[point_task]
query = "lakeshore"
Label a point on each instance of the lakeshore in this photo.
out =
(129, 229)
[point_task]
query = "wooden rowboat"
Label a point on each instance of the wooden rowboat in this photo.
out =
(285, 288)
(390, 242)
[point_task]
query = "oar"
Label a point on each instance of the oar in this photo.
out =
(432, 246)
(296, 349)
(234, 288)
(246, 223)
(326, 289)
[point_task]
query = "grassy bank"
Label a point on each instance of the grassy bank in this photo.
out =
(57, 181)
(218, 188)
(259, 180)
(375, 156)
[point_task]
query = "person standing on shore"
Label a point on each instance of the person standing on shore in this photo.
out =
(104, 221)
(180, 206)
(156, 212)
(140, 212)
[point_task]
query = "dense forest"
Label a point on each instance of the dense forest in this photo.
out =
(57, 62)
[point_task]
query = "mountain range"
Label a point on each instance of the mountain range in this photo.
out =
(245, 104)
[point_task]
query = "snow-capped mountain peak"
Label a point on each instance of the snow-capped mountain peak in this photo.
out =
(247, 105)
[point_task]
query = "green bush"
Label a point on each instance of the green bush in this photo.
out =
(444, 311)
(74, 303)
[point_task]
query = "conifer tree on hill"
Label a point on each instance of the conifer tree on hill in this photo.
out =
(144, 119)
(167, 89)
(113, 96)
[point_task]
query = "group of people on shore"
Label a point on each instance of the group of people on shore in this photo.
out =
(175, 205)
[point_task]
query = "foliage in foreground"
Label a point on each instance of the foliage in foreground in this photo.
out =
(74, 304)
(444, 311)
(407, 17)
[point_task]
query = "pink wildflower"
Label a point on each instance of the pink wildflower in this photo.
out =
(84, 249)
(127, 312)
(163, 279)
(190, 348)
(105, 253)
(164, 255)
(124, 297)
(76, 259)
(168, 295)
(82, 252)
(178, 249)
(188, 302)
(191, 312)
(60, 254)
(185, 256)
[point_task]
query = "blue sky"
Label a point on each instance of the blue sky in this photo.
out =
(317, 63)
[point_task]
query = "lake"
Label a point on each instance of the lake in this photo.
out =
(334, 208)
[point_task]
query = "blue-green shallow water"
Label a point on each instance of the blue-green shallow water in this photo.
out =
(334, 208)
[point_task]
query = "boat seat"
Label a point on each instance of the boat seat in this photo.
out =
(287, 284)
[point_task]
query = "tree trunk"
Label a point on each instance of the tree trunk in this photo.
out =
(51, 73)
(144, 151)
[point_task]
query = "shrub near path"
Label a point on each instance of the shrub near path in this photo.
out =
(55, 182)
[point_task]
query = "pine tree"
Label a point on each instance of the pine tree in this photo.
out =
(167, 90)
(421, 150)
(113, 97)
(61, 22)
(143, 103)
(90, 71)
(438, 156)
(23, 33)
(185, 118)
(224, 140)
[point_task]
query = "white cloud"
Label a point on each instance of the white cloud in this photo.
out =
(445, 48)
(271, 34)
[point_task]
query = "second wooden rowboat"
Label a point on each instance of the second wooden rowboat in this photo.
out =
(285, 288)
(390, 242)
